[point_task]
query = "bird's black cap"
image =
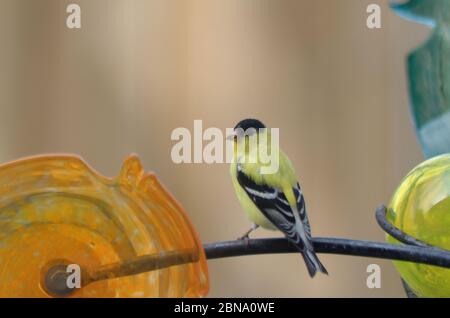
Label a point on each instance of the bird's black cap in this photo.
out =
(250, 123)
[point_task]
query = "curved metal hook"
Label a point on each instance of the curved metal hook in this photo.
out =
(390, 229)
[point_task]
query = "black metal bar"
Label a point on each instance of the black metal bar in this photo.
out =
(395, 232)
(141, 264)
(415, 251)
(414, 254)
(381, 216)
(409, 292)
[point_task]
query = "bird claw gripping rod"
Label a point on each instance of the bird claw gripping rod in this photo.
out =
(54, 278)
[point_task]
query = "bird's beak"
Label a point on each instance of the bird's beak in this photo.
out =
(232, 136)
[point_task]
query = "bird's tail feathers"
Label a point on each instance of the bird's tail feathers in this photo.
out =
(313, 263)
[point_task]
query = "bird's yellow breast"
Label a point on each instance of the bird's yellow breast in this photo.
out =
(284, 179)
(250, 209)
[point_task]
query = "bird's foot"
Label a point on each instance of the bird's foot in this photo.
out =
(246, 235)
(244, 238)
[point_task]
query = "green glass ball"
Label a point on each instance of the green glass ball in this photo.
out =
(421, 208)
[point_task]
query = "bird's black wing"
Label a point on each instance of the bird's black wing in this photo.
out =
(275, 207)
(301, 207)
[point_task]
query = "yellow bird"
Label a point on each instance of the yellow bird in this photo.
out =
(272, 201)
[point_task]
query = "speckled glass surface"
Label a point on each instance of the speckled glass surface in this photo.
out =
(421, 207)
(57, 207)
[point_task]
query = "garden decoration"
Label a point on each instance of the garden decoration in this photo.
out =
(429, 75)
(130, 238)
(56, 211)
(429, 87)
(420, 207)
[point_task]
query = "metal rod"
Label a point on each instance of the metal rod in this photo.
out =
(416, 254)
(399, 235)
(415, 251)
(55, 277)
(142, 264)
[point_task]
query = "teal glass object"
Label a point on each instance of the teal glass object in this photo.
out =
(429, 74)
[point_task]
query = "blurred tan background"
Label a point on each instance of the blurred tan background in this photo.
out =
(140, 68)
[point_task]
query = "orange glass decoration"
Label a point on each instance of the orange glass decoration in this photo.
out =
(57, 208)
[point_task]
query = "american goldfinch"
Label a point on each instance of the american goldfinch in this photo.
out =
(272, 201)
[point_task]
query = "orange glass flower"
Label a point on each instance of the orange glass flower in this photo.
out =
(57, 208)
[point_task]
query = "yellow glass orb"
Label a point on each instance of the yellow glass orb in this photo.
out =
(421, 208)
